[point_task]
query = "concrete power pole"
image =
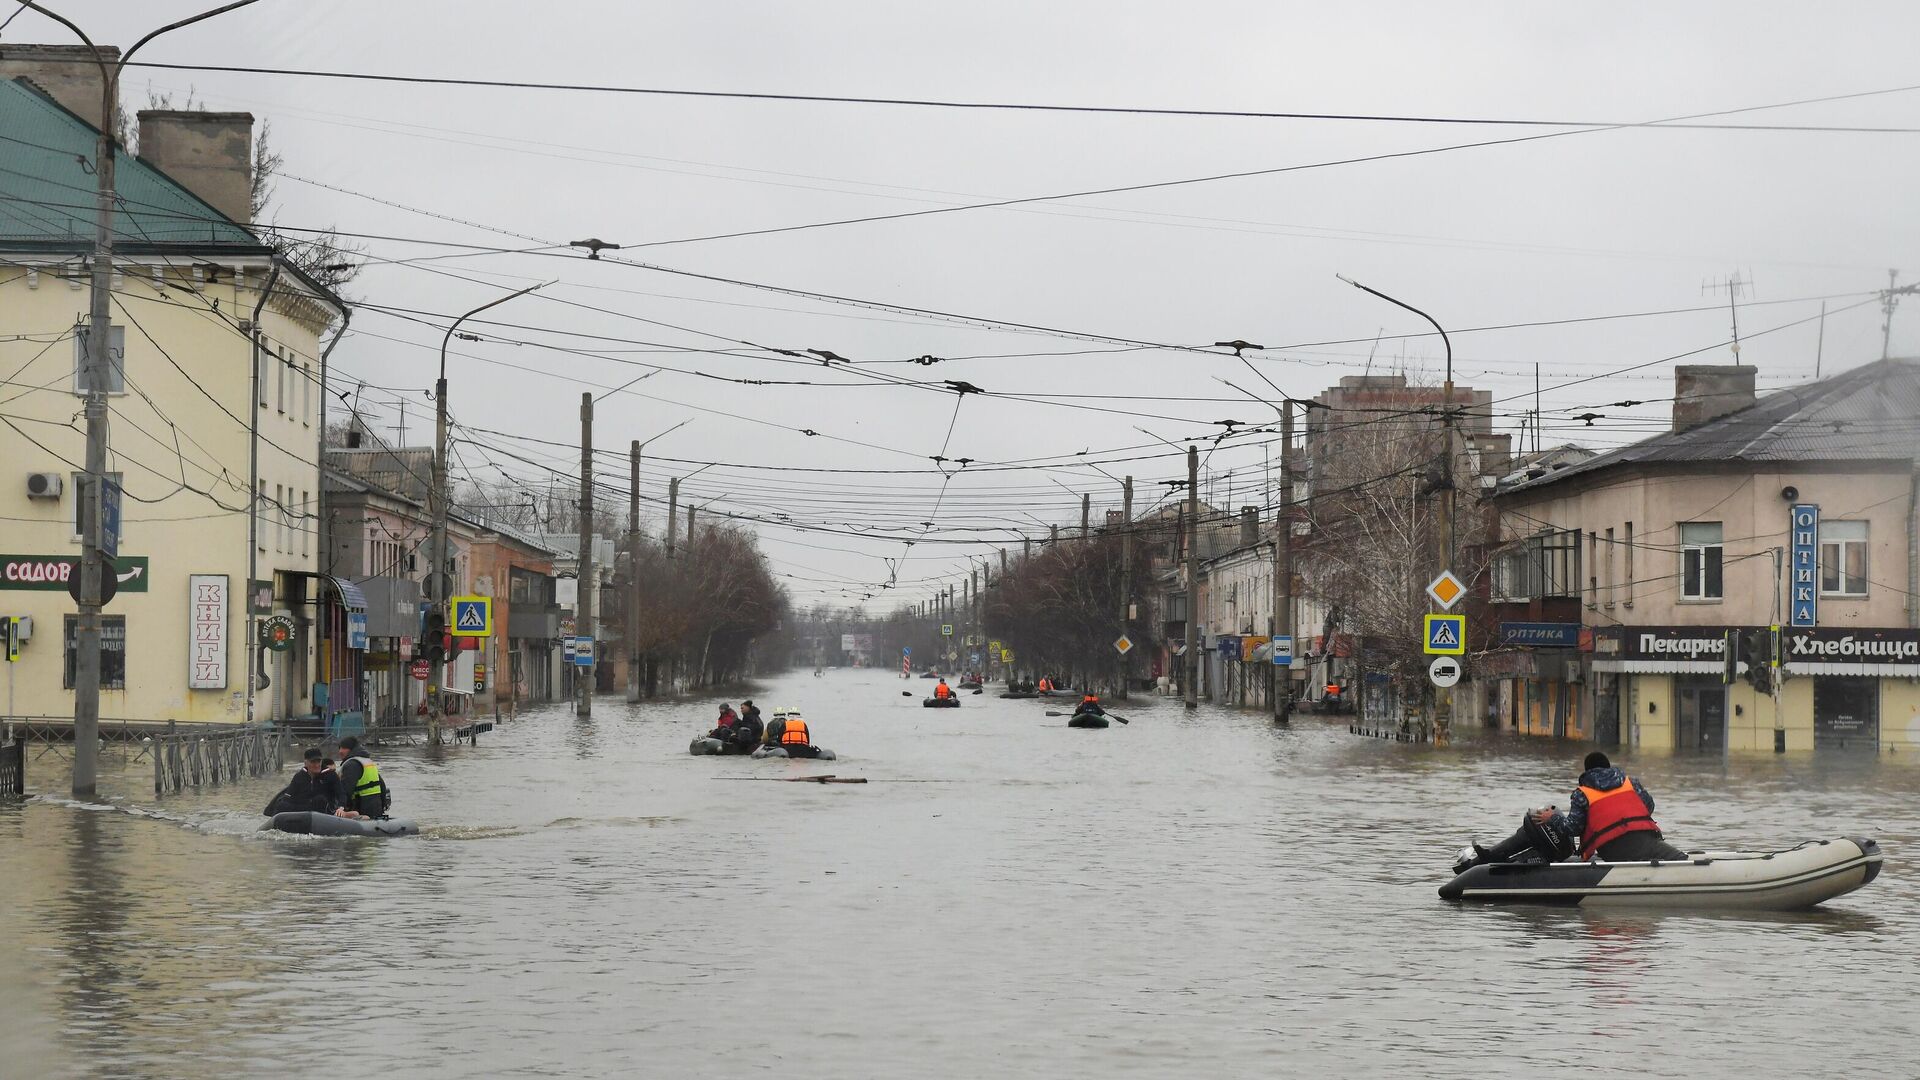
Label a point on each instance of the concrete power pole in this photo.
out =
(1126, 583)
(583, 678)
(1283, 568)
(633, 575)
(1086, 506)
(1193, 577)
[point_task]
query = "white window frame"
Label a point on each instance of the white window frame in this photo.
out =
(1841, 544)
(1607, 591)
(280, 400)
(1689, 551)
(116, 359)
(306, 395)
(260, 377)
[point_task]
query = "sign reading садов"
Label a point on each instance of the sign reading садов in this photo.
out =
(49, 573)
(1804, 565)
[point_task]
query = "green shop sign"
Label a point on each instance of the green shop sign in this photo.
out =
(49, 573)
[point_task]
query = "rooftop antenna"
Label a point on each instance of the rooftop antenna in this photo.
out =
(1734, 286)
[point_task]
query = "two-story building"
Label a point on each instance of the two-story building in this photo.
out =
(214, 411)
(1633, 568)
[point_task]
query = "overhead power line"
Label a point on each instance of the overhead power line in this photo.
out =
(1055, 107)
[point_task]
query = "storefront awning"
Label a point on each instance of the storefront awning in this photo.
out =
(351, 597)
(1841, 667)
(1663, 667)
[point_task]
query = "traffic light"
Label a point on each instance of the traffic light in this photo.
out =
(436, 637)
(1758, 653)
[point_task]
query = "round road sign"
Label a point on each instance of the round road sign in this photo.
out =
(1444, 671)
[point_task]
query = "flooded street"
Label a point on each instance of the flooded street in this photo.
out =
(1190, 894)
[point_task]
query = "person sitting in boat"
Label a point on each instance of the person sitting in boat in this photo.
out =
(790, 733)
(365, 791)
(943, 691)
(724, 729)
(1089, 706)
(1609, 812)
(748, 729)
(314, 789)
(1045, 685)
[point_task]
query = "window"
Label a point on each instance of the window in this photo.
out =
(113, 651)
(1545, 564)
(1843, 558)
(259, 507)
(264, 371)
(1700, 560)
(1629, 557)
(80, 502)
(280, 369)
(1609, 568)
(306, 395)
(116, 376)
(279, 518)
(302, 522)
(1593, 569)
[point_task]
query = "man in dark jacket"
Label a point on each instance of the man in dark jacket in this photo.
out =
(1609, 816)
(314, 789)
(749, 728)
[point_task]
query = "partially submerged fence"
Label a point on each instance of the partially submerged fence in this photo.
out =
(202, 758)
(13, 768)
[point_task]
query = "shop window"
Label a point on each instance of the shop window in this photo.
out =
(1843, 558)
(1700, 561)
(113, 651)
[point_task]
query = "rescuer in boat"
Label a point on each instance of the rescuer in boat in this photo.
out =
(943, 691)
(748, 729)
(1089, 706)
(1609, 812)
(366, 792)
(315, 789)
(790, 733)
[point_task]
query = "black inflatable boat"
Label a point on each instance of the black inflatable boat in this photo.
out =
(307, 822)
(1087, 720)
(940, 703)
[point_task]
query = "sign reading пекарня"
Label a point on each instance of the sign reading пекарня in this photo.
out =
(49, 573)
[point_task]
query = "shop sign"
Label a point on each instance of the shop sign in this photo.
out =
(1804, 566)
(276, 632)
(1851, 646)
(49, 573)
(1674, 643)
(207, 632)
(1540, 634)
(1250, 645)
(420, 669)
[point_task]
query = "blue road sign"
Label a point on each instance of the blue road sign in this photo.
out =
(109, 518)
(472, 616)
(1446, 634)
(1283, 650)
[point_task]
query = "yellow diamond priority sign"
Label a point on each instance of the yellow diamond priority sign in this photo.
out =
(1446, 590)
(1124, 645)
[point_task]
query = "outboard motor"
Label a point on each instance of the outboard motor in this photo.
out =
(1533, 843)
(1551, 843)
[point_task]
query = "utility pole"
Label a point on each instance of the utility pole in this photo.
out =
(1126, 583)
(1193, 577)
(633, 575)
(1086, 505)
(690, 509)
(583, 679)
(1283, 569)
(673, 513)
(98, 362)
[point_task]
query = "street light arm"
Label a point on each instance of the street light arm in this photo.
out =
(476, 311)
(189, 21)
(1444, 340)
(667, 432)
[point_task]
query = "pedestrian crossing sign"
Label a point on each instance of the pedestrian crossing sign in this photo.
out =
(472, 616)
(1446, 634)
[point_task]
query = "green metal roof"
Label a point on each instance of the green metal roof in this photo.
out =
(47, 189)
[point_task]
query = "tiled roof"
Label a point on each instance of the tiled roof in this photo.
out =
(47, 188)
(1871, 413)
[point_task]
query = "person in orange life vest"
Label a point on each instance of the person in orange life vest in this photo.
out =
(1045, 685)
(1089, 705)
(1610, 815)
(943, 691)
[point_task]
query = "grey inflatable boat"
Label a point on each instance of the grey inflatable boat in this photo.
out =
(307, 822)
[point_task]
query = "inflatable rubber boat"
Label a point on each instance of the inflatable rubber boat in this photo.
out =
(707, 744)
(940, 703)
(1087, 720)
(307, 822)
(1018, 694)
(1799, 877)
(813, 753)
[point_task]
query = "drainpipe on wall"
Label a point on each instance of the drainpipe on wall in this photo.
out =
(1913, 548)
(253, 489)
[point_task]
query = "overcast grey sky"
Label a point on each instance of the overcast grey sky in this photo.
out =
(1588, 224)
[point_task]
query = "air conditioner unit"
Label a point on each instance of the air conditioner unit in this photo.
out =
(44, 485)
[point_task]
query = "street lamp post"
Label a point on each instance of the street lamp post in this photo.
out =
(633, 566)
(86, 678)
(439, 581)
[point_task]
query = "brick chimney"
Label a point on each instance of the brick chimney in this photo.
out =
(1249, 526)
(1703, 392)
(66, 72)
(209, 153)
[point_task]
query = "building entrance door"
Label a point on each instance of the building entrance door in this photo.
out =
(1700, 714)
(1846, 713)
(1606, 710)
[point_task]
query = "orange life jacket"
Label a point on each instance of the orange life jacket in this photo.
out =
(1045, 684)
(1089, 700)
(795, 733)
(943, 691)
(1613, 814)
